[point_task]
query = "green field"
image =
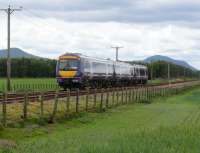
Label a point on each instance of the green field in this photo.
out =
(168, 125)
(159, 81)
(21, 84)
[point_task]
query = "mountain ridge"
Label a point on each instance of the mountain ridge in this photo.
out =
(16, 53)
(156, 58)
(19, 53)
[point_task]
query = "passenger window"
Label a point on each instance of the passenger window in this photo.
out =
(99, 67)
(87, 66)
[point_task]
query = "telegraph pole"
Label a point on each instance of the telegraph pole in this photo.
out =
(117, 51)
(9, 11)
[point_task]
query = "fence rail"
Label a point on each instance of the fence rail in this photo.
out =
(53, 105)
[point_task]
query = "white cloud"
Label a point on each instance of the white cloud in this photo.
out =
(143, 27)
(53, 37)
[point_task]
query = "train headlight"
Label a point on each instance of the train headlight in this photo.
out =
(75, 80)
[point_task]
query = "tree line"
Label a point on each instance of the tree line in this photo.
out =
(27, 67)
(159, 69)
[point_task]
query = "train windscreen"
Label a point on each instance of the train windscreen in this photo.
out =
(68, 64)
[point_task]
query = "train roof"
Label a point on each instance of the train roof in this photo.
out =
(87, 57)
(102, 60)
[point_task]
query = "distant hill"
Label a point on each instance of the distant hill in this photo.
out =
(168, 59)
(16, 53)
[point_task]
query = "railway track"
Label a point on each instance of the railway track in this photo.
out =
(50, 95)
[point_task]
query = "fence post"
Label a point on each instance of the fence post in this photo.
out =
(126, 92)
(152, 93)
(149, 93)
(157, 92)
(138, 95)
(113, 97)
(171, 91)
(142, 94)
(117, 94)
(41, 99)
(95, 98)
(77, 100)
(107, 97)
(163, 91)
(122, 99)
(133, 95)
(101, 102)
(145, 93)
(68, 102)
(54, 108)
(168, 91)
(86, 98)
(25, 106)
(4, 109)
(129, 95)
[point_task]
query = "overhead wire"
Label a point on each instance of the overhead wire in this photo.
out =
(42, 21)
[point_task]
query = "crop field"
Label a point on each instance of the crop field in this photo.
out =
(30, 84)
(167, 125)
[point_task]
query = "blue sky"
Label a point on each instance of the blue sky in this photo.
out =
(49, 28)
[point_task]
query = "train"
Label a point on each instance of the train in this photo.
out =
(76, 70)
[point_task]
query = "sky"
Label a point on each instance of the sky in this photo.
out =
(50, 28)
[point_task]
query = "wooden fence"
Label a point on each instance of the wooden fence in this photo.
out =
(68, 103)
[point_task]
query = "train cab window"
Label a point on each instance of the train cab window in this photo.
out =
(69, 64)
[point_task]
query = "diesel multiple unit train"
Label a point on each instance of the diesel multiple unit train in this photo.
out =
(79, 71)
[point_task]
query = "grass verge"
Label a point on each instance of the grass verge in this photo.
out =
(168, 125)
